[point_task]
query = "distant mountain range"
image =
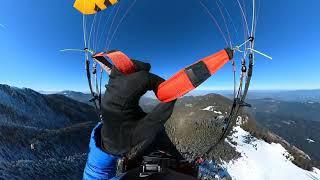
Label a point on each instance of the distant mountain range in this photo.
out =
(46, 136)
(78, 96)
(284, 95)
(289, 95)
(297, 122)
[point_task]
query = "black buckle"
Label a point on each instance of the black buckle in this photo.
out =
(149, 169)
(158, 162)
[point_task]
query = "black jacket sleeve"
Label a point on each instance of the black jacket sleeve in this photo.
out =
(125, 124)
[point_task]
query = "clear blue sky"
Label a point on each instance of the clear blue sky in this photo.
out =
(170, 34)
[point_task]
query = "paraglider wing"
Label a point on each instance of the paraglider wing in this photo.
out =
(93, 6)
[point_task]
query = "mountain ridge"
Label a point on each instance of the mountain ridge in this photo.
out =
(60, 148)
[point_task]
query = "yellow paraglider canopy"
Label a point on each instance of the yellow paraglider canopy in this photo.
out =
(93, 6)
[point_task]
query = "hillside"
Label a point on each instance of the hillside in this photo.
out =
(35, 146)
(42, 136)
(296, 122)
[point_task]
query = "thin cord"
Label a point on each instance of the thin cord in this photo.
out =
(84, 30)
(214, 20)
(92, 25)
(100, 91)
(229, 16)
(234, 78)
(120, 22)
(95, 40)
(261, 53)
(225, 23)
(244, 17)
(257, 16)
(114, 17)
(105, 27)
(253, 18)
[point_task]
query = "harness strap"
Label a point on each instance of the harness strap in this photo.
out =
(182, 82)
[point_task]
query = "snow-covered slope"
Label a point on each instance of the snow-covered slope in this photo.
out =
(42, 136)
(27, 108)
(263, 161)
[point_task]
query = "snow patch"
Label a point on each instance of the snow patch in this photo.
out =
(261, 160)
(310, 140)
(316, 170)
(220, 117)
(212, 109)
(239, 120)
(209, 108)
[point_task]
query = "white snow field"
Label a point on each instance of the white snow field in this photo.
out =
(263, 161)
(209, 108)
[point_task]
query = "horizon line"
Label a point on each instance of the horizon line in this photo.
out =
(201, 89)
(217, 90)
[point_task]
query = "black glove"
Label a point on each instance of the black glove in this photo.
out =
(125, 125)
